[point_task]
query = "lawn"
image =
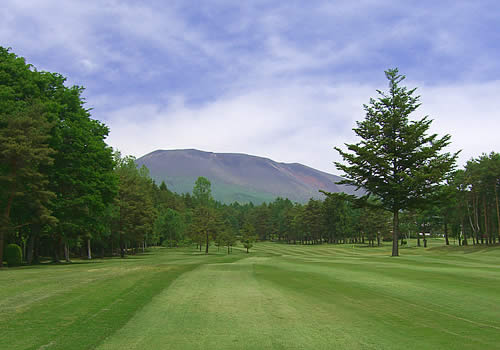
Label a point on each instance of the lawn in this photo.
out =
(277, 297)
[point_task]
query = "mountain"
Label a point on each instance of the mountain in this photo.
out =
(239, 177)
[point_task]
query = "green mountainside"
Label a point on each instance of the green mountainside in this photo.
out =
(239, 177)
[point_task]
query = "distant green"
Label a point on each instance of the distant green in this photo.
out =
(277, 297)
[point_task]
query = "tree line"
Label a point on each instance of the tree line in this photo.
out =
(64, 192)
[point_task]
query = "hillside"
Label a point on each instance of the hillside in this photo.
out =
(239, 177)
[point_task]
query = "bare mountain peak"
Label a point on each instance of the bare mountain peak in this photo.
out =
(239, 177)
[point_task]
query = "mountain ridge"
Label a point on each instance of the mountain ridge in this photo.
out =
(240, 177)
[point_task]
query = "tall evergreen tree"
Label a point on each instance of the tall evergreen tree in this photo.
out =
(396, 160)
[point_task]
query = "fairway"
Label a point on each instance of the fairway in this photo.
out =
(277, 297)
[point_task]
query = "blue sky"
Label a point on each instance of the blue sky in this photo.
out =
(280, 79)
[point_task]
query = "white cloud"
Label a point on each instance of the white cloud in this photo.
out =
(274, 79)
(302, 123)
(289, 124)
(470, 113)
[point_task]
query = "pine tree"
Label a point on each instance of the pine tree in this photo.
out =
(396, 160)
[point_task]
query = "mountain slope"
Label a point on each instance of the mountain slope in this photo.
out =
(239, 177)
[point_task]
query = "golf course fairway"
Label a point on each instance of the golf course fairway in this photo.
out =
(277, 297)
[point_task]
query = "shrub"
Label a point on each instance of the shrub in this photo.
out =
(13, 255)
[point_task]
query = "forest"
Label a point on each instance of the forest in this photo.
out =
(65, 193)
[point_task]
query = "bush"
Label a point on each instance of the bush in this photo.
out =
(13, 255)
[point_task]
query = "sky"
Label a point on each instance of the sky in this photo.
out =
(285, 80)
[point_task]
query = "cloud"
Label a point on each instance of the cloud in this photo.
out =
(302, 123)
(289, 124)
(468, 112)
(281, 79)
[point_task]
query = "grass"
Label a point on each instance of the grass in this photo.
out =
(278, 297)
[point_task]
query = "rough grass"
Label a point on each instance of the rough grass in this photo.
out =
(277, 297)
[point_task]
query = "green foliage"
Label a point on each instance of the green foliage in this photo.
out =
(223, 192)
(135, 213)
(13, 255)
(24, 150)
(247, 236)
(82, 176)
(204, 224)
(55, 168)
(60, 184)
(202, 192)
(170, 227)
(227, 237)
(477, 188)
(396, 160)
(374, 222)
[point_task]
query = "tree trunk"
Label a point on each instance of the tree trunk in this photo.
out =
(464, 234)
(36, 250)
(89, 251)
(57, 244)
(446, 233)
(486, 231)
(395, 228)
(122, 248)
(474, 220)
(206, 246)
(29, 249)
(66, 251)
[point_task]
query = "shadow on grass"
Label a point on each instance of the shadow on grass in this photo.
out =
(48, 264)
(467, 249)
(44, 265)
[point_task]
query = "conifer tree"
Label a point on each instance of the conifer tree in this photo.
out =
(396, 160)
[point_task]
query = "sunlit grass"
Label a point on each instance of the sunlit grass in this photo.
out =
(277, 297)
